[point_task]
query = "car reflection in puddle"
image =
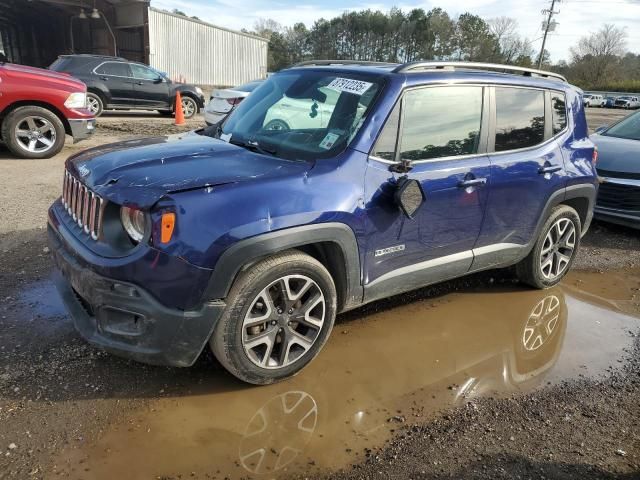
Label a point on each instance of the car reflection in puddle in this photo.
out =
(376, 372)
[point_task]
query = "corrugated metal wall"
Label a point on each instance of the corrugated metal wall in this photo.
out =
(204, 54)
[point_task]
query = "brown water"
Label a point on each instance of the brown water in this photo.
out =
(376, 372)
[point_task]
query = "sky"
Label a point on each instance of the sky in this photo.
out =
(576, 19)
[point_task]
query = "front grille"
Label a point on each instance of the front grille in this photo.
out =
(85, 207)
(620, 197)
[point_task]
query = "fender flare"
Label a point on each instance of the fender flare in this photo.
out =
(248, 251)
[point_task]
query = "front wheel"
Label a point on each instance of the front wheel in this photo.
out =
(189, 107)
(279, 314)
(554, 251)
(33, 132)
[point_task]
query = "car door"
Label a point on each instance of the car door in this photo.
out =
(116, 76)
(442, 131)
(527, 169)
(151, 88)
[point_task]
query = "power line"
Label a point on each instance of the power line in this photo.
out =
(547, 26)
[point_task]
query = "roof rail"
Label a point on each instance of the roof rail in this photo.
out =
(449, 66)
(320, 63)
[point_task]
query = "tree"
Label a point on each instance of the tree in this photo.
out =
(474, 40)
(597, 56)
(511, 48)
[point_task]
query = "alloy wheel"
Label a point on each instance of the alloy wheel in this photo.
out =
(188, 107)
(283, 322)
(93, 104)
(35, 134)
(557, 250)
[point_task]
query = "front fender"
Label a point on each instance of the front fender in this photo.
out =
(247, 251)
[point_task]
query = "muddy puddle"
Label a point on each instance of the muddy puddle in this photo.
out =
(377, 373)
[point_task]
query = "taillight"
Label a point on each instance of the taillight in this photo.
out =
(234, 101)
(594, 157)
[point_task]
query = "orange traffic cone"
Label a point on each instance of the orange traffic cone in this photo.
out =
(179, 112)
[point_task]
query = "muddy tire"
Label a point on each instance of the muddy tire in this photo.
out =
(554, 251)
(33, 132)
(279, 315)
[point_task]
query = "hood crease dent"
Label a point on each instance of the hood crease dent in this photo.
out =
(140, 172)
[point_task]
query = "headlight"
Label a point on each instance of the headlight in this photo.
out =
(76, 100)
(133, 222)
(199, 91)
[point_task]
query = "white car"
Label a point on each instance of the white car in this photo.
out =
(593, 100)
(299, 114)
(628, 102)
(222, 102)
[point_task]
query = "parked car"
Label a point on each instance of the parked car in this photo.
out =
(250, 239)
(38, 108)
(115, 83)
(593, 100)
(619, 171)
(222, 102)
(610, 102)
(627, 102)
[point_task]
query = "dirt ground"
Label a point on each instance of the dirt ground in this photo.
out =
(475, 378)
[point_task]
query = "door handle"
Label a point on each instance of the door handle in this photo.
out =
(104, 78)
(472, 182)
(549, 169)
(139, 83)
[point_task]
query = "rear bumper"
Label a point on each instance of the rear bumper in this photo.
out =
(82, 128)
(211, 117)
(127, 320)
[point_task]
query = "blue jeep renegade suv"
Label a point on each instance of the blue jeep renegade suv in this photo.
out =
(332, 185)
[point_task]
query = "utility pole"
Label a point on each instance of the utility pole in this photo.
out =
(547, 26)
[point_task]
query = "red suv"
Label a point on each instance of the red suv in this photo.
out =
(38, 108)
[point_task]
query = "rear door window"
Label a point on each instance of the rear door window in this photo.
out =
(144, 73)
(519, 118)
(116, 69)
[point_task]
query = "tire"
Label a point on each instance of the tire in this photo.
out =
(95, 103)
(535, 270)
(189, 106)
(277, 124)
(33, 132)
(262, 363)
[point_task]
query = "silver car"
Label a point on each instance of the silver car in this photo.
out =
(619, 171)
(223, 102)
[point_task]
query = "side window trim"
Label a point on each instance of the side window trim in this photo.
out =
(109, 74)
(485, 124)
(548, 116)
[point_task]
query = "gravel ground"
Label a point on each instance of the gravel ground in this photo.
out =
(55, 390)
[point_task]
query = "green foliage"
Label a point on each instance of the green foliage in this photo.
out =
(395, 36)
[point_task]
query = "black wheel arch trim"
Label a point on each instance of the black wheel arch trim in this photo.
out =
(248, 251)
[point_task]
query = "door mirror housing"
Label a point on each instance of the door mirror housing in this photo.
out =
(409, 196)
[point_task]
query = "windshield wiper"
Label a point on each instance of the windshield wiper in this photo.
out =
(253, 145)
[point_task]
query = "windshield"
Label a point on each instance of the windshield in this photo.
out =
(247, 87)
(627, 128)
(302, 114)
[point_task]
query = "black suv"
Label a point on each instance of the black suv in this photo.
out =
(117, 83)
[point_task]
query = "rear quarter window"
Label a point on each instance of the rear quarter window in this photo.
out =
(519, 118)
(558, 112)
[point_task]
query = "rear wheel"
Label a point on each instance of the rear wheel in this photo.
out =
(279, 315)
(33, 132)
(554, 251)
(95, 104)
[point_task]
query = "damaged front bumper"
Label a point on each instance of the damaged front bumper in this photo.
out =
(125, 319)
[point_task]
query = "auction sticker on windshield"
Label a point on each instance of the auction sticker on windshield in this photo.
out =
(329, 141)
(349, 85)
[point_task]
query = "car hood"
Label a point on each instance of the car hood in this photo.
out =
(140, 172)
(617, 154)
(47, 75)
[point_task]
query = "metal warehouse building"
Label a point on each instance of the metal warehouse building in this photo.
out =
(35, 32)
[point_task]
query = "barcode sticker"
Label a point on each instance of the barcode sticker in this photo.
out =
(349, 85)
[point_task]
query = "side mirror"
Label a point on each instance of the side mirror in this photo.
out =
(601, 128)
(158, 80)
(409, 196)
